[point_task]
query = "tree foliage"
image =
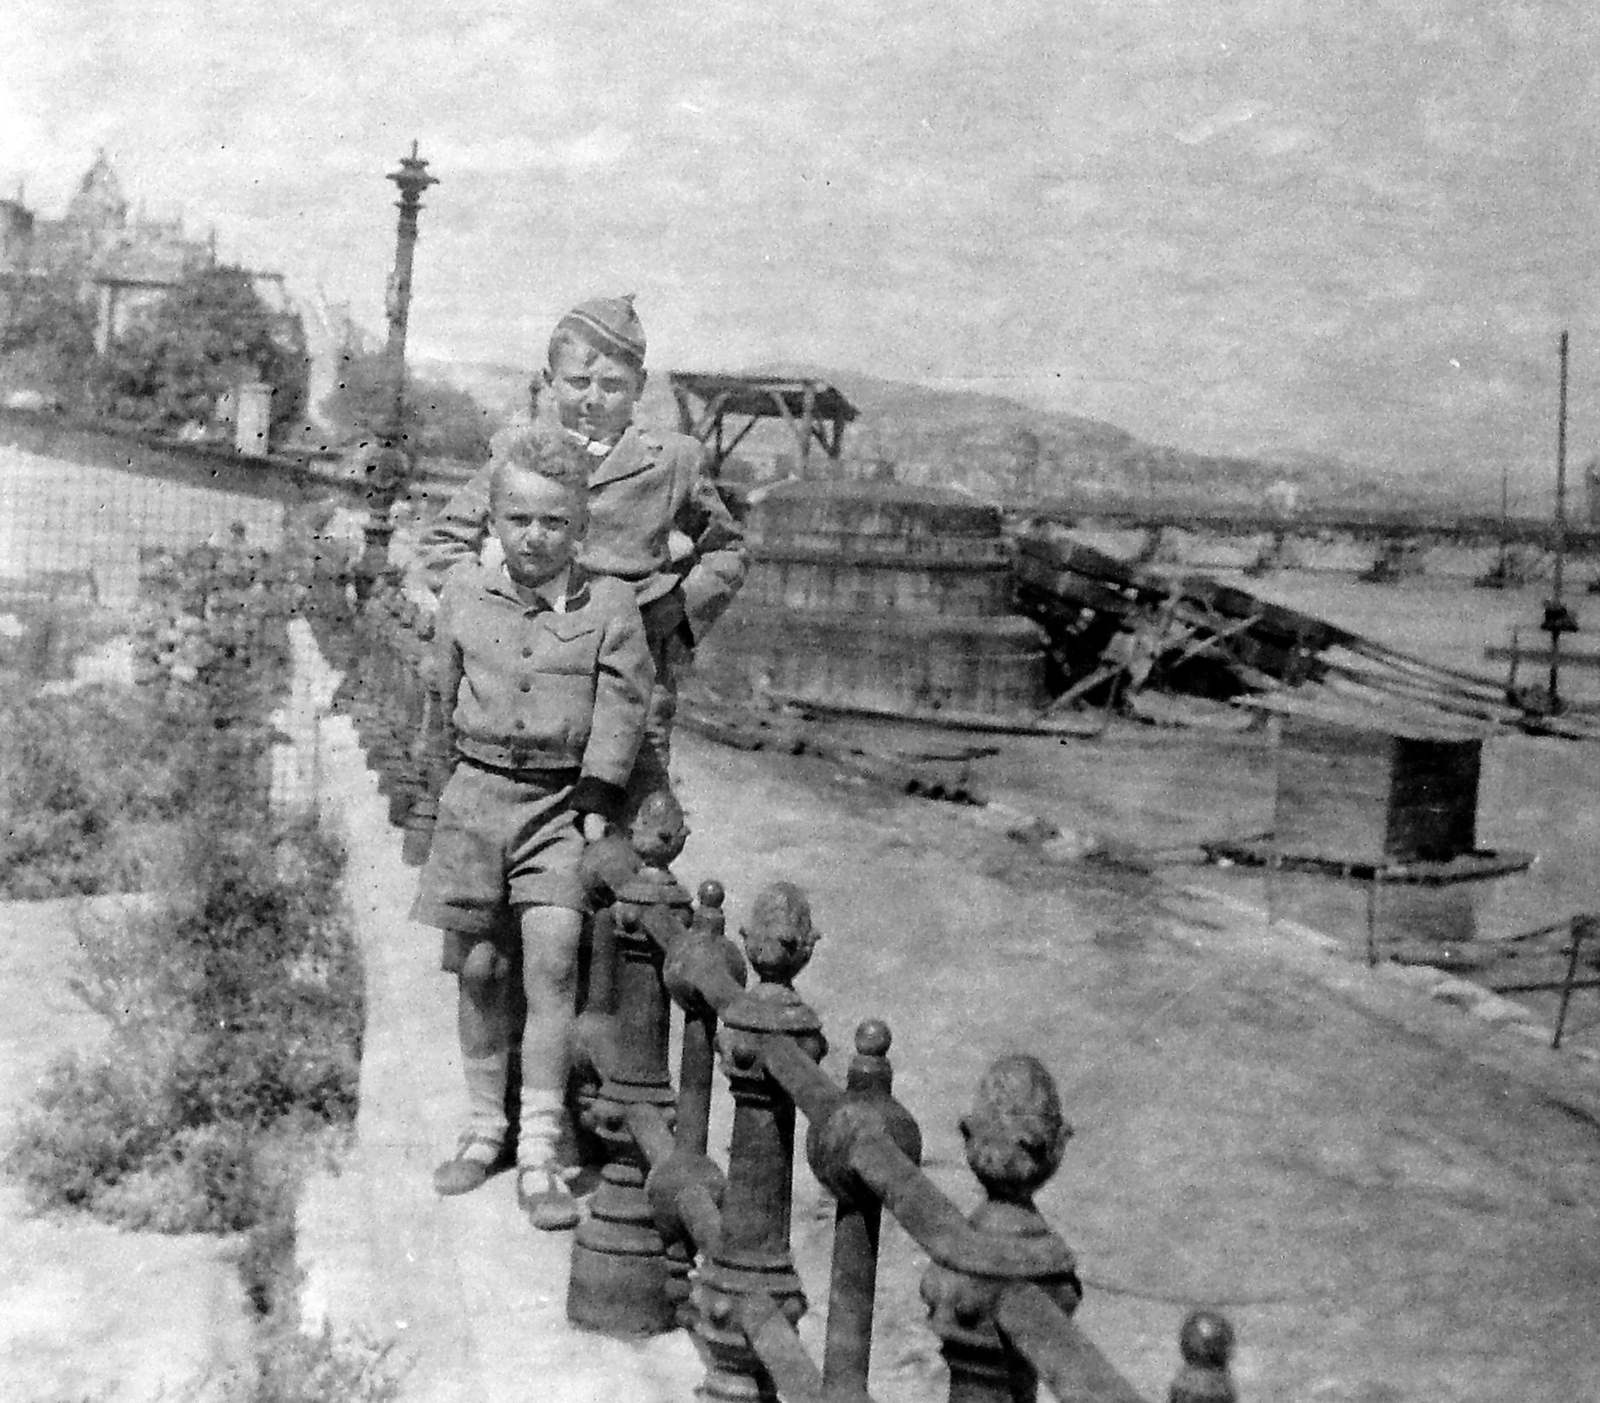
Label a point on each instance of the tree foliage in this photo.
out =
(47, 338)
(441, 421)
(454, 424)
(208, 334)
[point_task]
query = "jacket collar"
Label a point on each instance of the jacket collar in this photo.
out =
(630, 457)
(496, 582)
(632, 454)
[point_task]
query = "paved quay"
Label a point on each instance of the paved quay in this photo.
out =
(473, 1298)
(1391, 1197)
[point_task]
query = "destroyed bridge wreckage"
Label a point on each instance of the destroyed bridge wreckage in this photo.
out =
(877, 598)
(1118, 630)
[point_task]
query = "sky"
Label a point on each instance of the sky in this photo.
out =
(1287, 228)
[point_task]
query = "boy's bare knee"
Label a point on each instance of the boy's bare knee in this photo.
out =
(485, 970)
(550, 943)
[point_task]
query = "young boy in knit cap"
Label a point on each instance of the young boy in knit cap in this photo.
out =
(644, 488)
(544, 673)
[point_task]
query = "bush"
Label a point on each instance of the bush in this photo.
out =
(47, 339)
(235, 1014)
(211, 332)
(442, 421)
(294, 1367)
(90, 784)
(235, 1005)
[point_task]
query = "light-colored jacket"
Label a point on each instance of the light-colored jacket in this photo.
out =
(525, 687)
(649, 485)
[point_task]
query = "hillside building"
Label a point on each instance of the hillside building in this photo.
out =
(123, 263)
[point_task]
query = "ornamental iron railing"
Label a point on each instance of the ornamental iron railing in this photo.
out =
(674, 1239)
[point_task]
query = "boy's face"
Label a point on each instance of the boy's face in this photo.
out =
(594, 393)
(538, 523)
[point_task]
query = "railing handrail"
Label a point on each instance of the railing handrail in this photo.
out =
(925, 1213)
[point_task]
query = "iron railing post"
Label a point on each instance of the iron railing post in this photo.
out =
(752, 1257)
(697, 1060)
(419, 735)
(433, 762)
(853, 1284)
(620, 1282)
(686, 1188)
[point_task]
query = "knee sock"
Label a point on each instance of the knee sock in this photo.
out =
(540, 1126)
(486, 1095)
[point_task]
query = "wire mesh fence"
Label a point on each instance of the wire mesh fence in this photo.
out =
(66, 525)
(171, 575)
(87, 515)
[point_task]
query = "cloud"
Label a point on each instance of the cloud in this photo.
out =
(461, 152)
(604, 146)
(918, 187)
(1233, 115)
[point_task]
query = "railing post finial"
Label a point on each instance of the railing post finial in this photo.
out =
(1015, 1135)
(1206, 1343)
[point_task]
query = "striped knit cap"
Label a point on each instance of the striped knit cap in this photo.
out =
(610, 325)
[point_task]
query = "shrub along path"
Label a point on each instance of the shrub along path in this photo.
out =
(1392, 1200)
(86, 1310)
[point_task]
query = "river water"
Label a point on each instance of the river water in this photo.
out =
(1161, 791)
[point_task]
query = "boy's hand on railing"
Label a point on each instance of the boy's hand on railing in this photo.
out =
(607, 865)
(595, 828)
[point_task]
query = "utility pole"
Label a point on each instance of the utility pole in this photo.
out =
(1558, 619)
(391, 464)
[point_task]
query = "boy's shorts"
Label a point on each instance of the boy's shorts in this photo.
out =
(502, 840)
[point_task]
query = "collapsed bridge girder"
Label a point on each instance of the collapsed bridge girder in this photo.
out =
(1120, 622)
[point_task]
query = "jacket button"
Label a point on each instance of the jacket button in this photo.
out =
(527, 652)
(522, 725)
(527, 686)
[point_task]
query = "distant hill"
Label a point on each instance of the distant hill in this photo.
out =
(998, 447)
(991, 446)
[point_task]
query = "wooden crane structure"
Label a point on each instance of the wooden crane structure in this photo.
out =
(814, 411)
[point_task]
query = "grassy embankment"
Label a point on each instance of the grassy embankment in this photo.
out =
(233, 1000)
